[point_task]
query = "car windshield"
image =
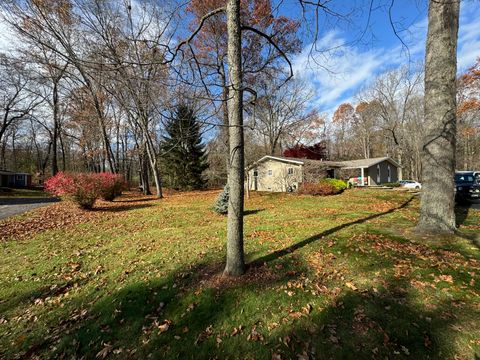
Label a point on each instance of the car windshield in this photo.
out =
(464, 178)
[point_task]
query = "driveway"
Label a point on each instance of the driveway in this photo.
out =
(475, 205)
(15, 206)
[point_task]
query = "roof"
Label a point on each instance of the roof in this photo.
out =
(366, 163)
(8, 172)
(297, 161)
(348, 164)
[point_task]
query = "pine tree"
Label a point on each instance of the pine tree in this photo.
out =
(184, 157)
(221, 204)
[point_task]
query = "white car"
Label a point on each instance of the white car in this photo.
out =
(410, 184)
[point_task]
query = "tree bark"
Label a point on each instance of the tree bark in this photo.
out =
(437, 212)
(144, 172)
(56, 127)
(235, 255)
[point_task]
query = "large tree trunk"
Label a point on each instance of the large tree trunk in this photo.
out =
(437, 212)
(235, 257)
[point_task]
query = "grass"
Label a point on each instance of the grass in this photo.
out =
(335, 277)
(22, 193)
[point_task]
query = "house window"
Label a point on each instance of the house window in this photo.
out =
(19, 177)
(255, 172)
(389, 174)
(270, 172)
(378, 173)
(290, 171)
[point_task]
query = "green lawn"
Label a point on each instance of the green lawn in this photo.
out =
(22, 193)
(335, 277)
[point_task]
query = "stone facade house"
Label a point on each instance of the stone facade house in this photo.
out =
(281, 174)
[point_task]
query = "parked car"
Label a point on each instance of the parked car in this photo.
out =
(467, 186)
(410, 184)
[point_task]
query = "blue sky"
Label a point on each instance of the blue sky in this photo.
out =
(337, 75)
(352, 64)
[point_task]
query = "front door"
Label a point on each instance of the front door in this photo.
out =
(378, 174)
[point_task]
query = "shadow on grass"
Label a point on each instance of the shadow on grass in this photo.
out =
(279, 253)
(193, 313)
(461, 213)
(252, 212)
(380, 323)
(121, 207)
(144, 199)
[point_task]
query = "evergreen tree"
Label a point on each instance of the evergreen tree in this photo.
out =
(184, 157)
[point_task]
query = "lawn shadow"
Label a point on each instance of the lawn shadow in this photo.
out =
(143, 199)
(379, 323)
(279, 253)
(121, 207)
(252, 212)
(461, 213)
(140, 314)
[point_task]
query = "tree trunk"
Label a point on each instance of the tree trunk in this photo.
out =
(437, 212)
(235, 257)
(144, 172)
(56, 127)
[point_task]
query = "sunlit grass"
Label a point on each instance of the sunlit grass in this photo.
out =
(335, 277)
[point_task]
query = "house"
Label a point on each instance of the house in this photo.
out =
(15, 179)
(279, 174)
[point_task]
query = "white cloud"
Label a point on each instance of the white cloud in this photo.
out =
(337, 70)
(468, 36)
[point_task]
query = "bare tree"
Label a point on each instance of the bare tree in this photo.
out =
(279, 111)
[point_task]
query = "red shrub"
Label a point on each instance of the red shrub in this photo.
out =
(111, 185)
(318, 189)
(83, 188)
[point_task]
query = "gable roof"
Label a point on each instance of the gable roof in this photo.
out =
(348, 164)
(296, 161)
(366, 163)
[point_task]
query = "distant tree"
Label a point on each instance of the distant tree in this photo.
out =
(184, 154)
(316, 151)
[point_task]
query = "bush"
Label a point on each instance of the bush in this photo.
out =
(82, 188)
(340, 185)
(318, 189)
(394, 184)
(221, 204)
(111, 185)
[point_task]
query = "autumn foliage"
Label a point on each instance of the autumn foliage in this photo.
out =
(314, 152)
(85, 188)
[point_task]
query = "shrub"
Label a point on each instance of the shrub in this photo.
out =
(82, 188)
(318, 189)
(111, 185)
(340, 185)
(221, 204)
(394, 184)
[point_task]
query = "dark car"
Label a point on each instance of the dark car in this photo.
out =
(467, 186)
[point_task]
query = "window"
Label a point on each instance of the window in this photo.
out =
(389, 174)
(19, 177)
(378, 173)
(290, 171)
(270, 172)
(255, 172)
